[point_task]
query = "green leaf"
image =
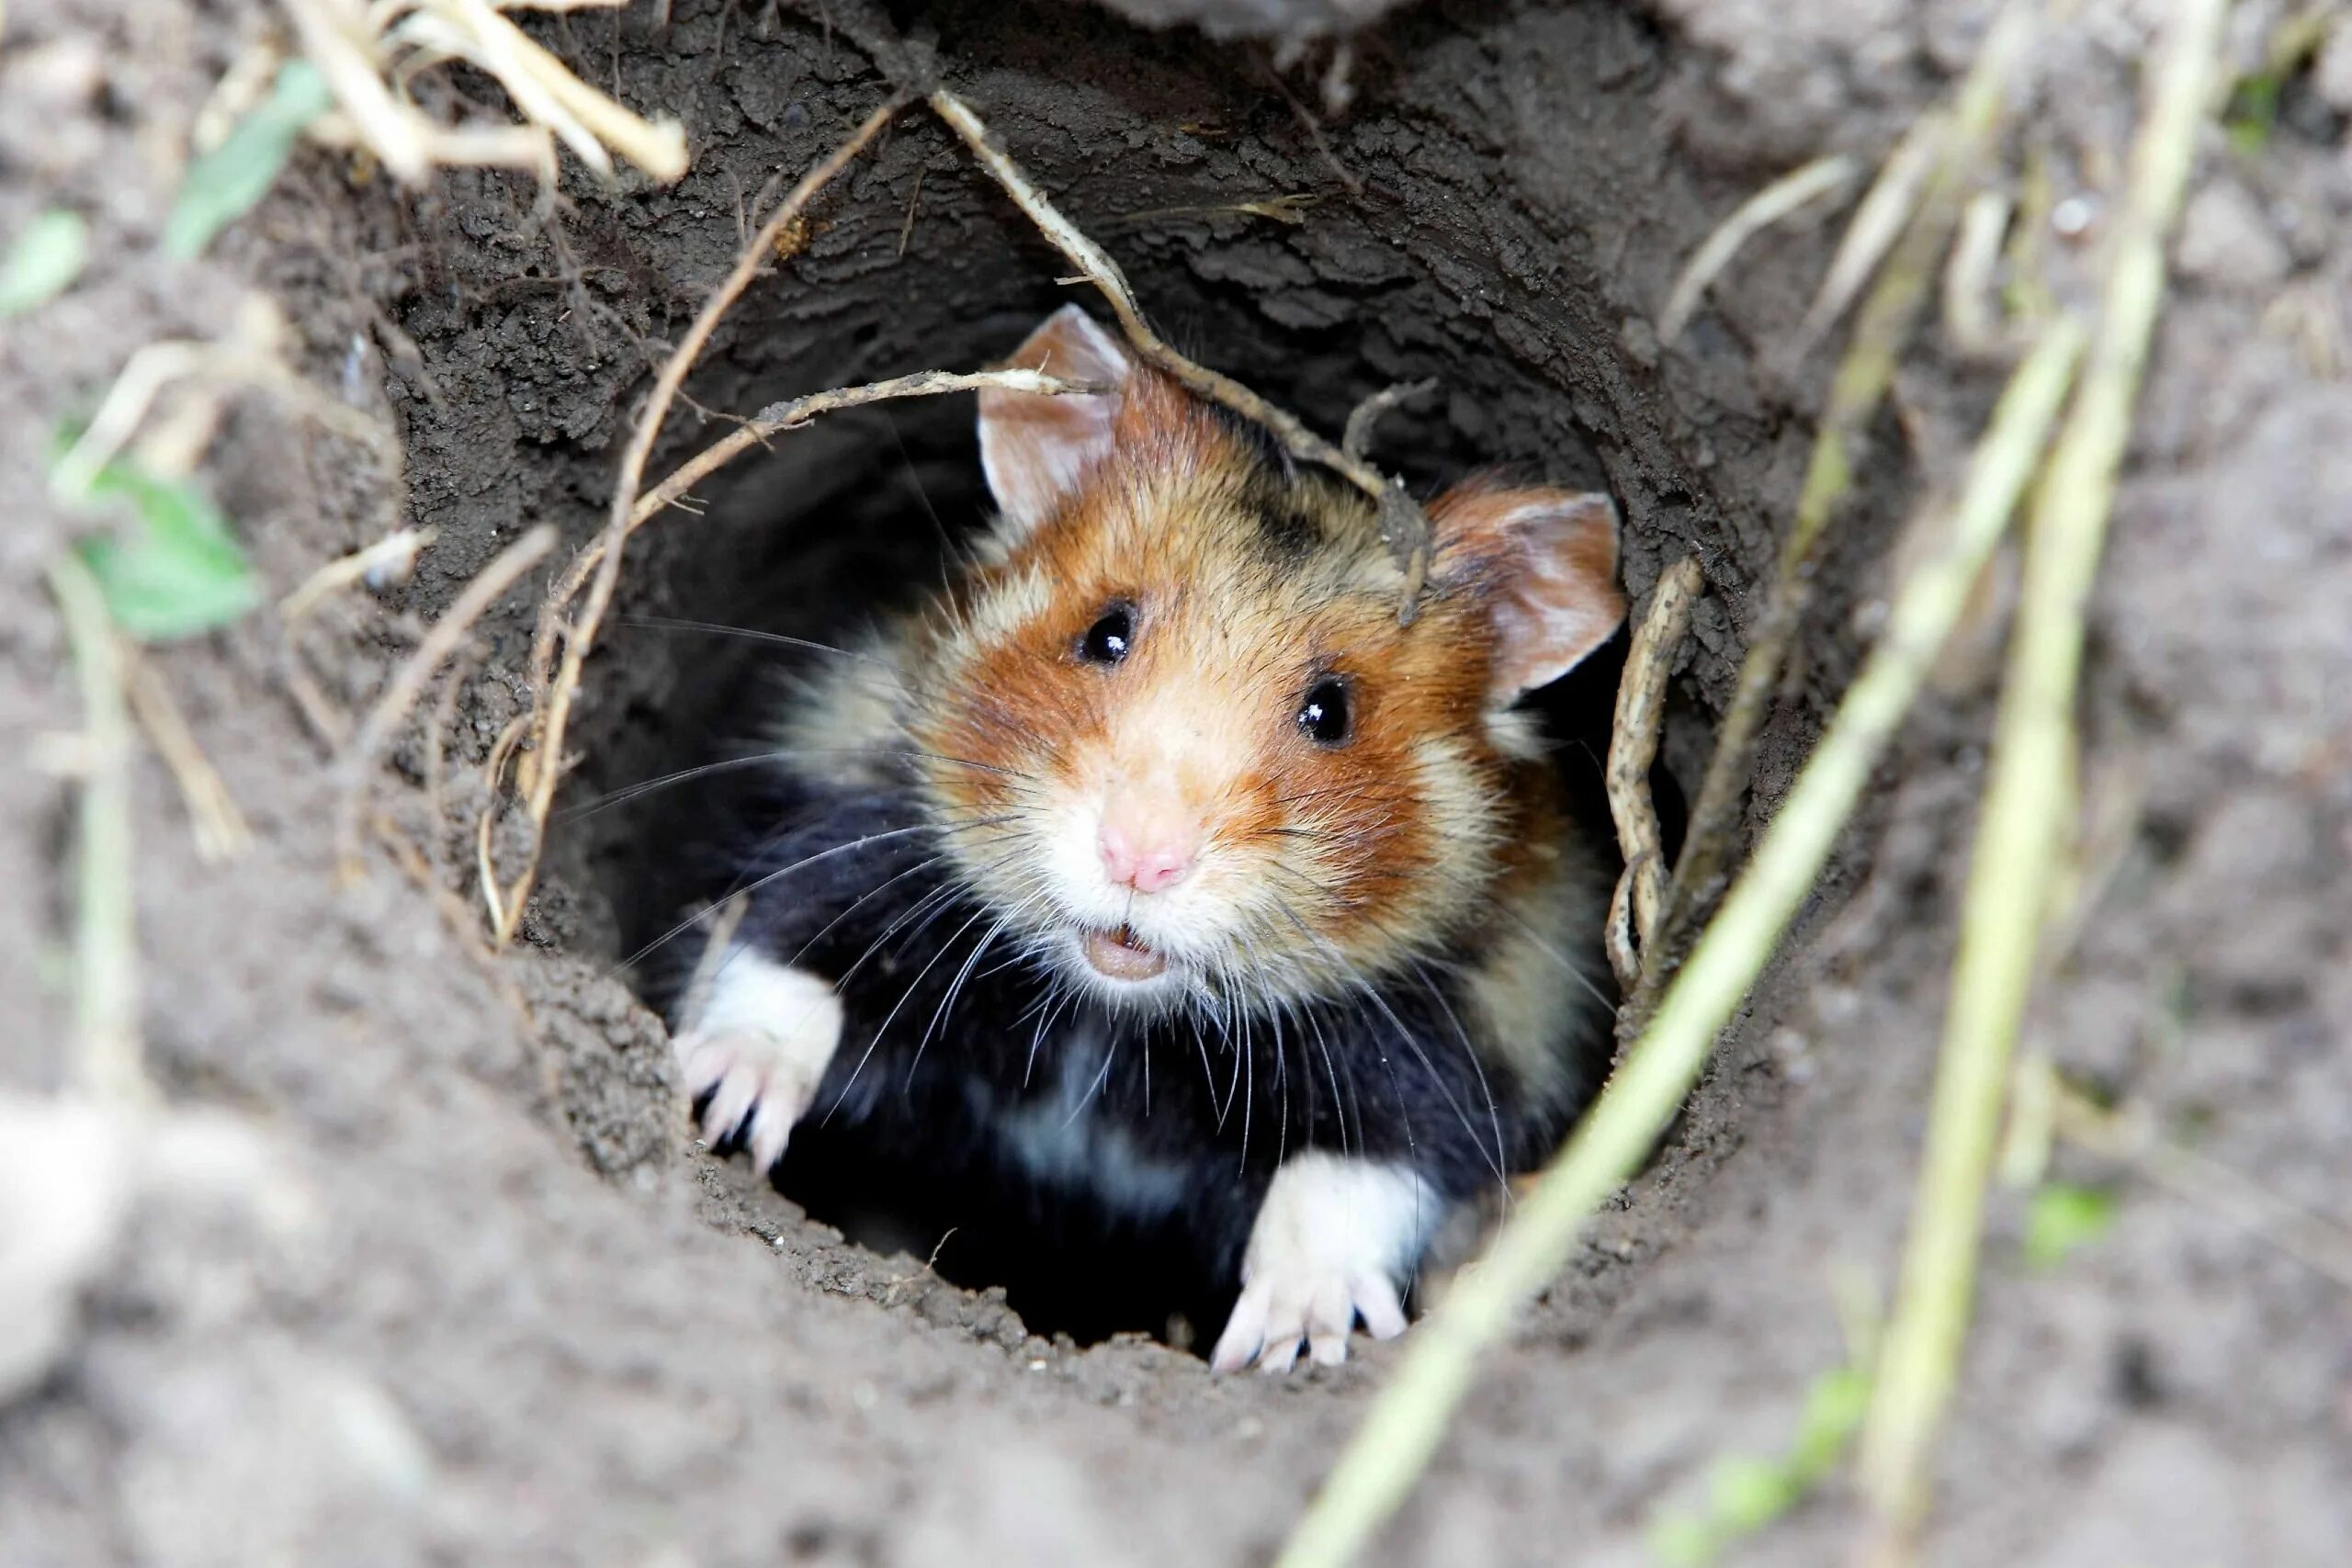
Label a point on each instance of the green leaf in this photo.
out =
(1834, 1407)
(46, 258)
(2061, 1217)
(223, 184)
(1684, 1541)
(180, 571)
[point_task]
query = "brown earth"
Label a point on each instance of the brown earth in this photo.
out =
(429, 1271)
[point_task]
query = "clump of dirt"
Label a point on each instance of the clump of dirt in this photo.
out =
(491, 1304)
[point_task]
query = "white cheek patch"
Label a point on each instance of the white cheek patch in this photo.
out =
(1333, 1242)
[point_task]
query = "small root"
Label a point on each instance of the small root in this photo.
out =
(220, 828)
(1404, 524)
(1633, 749)
(1783, 198)
(447, 633)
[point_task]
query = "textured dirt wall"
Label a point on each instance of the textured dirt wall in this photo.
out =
(487, 1303)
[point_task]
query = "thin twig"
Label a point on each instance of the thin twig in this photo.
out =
(554, 687)
(1860, 383)
(1403, 523)
(1390, 1449)
(2027, 795)
(389, 559)
(778, 417)
(1633, 746)
(447, 633)
(220, 828)
(107, 1054)
(1790, 194)
(1356, 439)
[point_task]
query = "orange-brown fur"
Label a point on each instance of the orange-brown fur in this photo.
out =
(1343, 863)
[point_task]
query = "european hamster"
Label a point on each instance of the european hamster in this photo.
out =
(1156, 875)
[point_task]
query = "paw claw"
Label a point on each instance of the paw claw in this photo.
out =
(1324, 1253)
(757, 1052)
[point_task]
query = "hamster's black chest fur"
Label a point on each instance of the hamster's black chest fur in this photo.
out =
(1114, 1162)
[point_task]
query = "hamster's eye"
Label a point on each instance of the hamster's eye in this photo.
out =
(1108, 639)
(1324, 718)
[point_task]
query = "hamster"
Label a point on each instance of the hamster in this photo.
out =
(1156, 876)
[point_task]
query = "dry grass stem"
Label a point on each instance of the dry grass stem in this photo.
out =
(1785, 196)
(447, 635)
(554, 686)
(250, 357)
(1403, 523)
(1884, 328)
(370, 53)
(1972, 310)
(107, 1054)
(1633, 747)
(1886, 209)
(1393, 1444)
(779, 417)
(220, 828)
(389, 559)
(2029, 790)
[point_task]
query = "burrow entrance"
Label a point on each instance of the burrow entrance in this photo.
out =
(1319, 262)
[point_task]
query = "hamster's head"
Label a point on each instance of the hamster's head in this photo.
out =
(1174, 735)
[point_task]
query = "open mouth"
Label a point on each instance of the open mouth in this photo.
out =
(1117, 955)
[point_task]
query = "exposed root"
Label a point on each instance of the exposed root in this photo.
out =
(779, 417)
(1785, 196)
(368, 55)
(386, 563)
(107, 1054)
(1633, 747)
(1356, 439)
(1403, 523)
(447, 633)
(251, 356)
(220, 828)
(554, 686)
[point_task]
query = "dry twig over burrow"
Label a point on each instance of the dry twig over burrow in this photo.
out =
(2027, 794)
(447, 633)
(108, 1053)
(1633, 747)
(776, 418)
(1393, 1443)
(1862, 376)
(553, 686)
(1402, 522)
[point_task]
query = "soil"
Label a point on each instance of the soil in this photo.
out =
(424, 1264)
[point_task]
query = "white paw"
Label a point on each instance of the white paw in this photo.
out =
(758, 1046)
(1332, 1240)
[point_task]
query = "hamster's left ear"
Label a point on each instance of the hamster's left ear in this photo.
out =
(1545, 561)
(1035, 448)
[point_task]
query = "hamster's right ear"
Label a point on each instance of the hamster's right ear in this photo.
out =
(1036, 448)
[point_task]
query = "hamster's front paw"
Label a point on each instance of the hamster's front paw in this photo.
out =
(758, 1048)
(1333, 1239)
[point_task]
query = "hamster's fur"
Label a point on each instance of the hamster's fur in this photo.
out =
(1157, 880)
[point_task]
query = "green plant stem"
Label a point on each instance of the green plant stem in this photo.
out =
(2022, 833)
(1389, 1450)
(1881, 331)
(106, 934)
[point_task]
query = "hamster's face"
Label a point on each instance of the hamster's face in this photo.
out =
(1177, 740)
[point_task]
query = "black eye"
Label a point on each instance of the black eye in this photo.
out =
(1323, 718)
(1108, 639)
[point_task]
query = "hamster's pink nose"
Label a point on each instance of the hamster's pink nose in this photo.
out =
(1148, 851)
